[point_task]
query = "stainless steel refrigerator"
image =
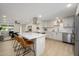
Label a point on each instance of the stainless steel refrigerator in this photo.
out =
(76, 35)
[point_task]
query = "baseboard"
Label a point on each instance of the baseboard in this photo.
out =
(54, 39)
(68, 43)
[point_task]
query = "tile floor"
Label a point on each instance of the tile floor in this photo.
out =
(52, 48)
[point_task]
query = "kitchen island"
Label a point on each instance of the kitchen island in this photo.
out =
(39, 40)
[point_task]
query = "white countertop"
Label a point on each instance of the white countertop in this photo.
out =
(31, 35)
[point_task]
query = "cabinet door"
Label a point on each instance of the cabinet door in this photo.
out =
(49, 35)
(68, 22)
(59, 36)
(54, 35)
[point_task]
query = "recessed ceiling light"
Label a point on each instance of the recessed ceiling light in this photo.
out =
(4, 16)
(40, 16)
(57, 17)
(69, 5)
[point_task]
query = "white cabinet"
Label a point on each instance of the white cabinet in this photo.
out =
(50, 35)
(59, 36)
(68, 22)
(54, 35)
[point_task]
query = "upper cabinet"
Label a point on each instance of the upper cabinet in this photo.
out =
(68, 22)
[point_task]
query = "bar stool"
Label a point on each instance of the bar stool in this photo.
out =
(15, 43)
(28, 46)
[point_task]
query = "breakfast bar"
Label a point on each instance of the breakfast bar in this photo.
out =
(39, 40)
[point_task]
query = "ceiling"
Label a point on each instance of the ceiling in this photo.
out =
(24, 12)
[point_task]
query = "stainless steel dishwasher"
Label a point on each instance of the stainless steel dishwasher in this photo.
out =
(67, 37)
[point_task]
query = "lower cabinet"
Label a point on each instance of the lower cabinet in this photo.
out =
(59, 36)
(55, 35)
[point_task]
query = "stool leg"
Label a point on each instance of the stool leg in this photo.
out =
(34, 50)
(18, 50)
(26, 51)
(13, 44)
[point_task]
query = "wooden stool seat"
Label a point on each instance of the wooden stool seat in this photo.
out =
(25, 44)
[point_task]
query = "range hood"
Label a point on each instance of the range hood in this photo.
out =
(35, 19)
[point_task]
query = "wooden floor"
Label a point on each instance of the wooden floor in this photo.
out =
(57, 48)
(52, 48)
